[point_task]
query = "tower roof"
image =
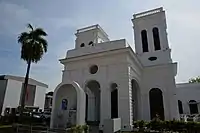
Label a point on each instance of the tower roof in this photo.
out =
(96, 26)
(146, 13)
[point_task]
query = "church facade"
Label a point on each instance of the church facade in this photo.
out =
(105, 79)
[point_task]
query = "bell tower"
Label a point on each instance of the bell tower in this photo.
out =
(151, 43)
(89, 36)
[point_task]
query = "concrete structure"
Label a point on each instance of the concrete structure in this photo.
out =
(118, 82)
(112, 125)
(10, 92)
(188, 95)
(68, 105)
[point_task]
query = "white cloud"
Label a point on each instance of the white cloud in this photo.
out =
(13, 17)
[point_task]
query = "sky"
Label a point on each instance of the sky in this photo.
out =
(61, 18)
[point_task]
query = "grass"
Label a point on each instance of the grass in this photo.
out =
(5, 126)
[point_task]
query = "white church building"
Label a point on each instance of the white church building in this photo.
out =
(105, 79)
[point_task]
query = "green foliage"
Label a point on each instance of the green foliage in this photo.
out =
(33, 44)
(171, 126)
(195, 80)
(79, 129)
(85, 128)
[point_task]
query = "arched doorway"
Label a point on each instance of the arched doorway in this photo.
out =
(193, 107)
(156, 103)
(65, 106)
(93, 99)
(114, 101)
(68, 107)
(135, 99)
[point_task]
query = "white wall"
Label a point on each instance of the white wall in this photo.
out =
(112, 68)
(99, 47)
(3, 84)
(161, 77)
(187, 92)
(12, 95)
(40, 97)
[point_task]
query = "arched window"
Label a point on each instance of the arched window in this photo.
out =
(180, 107)
(193, 107)
(144, 41)
(156, 103)
(91, 43)
(114, 101)
(82, 44)
(156, 38)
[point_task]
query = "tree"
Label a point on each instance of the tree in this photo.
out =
(194, 80)
(33, 47)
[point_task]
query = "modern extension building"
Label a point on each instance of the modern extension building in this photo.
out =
(11, 92)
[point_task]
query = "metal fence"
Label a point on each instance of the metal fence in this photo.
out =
(20, 128)
(190, 117)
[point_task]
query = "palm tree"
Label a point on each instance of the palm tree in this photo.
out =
(33, 46)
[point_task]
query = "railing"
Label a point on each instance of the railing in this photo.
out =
(20, 128)
(150, 12)
(91, 28)
(190, 117)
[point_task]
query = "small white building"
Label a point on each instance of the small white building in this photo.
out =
(11, 92)
(188, 95)
(105, 79)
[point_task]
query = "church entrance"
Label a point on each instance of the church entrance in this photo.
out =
(93, 95)
(156, 103)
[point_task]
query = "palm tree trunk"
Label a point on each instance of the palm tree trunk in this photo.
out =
(25, 87)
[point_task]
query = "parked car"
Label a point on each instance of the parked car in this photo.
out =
(36, 114)
(46, 115)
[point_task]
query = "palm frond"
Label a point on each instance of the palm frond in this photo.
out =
(40, 32)
(23, 37)
(30, 26)
(33, 45)
(43, 42)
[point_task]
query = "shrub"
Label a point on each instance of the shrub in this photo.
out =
(79, 129)
(85, 128)
(170, 126)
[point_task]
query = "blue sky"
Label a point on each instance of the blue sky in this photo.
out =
(61, 18)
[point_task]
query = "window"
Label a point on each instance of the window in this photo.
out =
(93, 69)
(193, 107)
(180, 107)
(144, 41)
(152, 58)
(82, 44)
(91, 43)
(156, 38)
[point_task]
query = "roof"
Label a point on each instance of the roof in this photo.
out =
(185, 85)
(96, 26)
(21, 79)
(147, 13)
